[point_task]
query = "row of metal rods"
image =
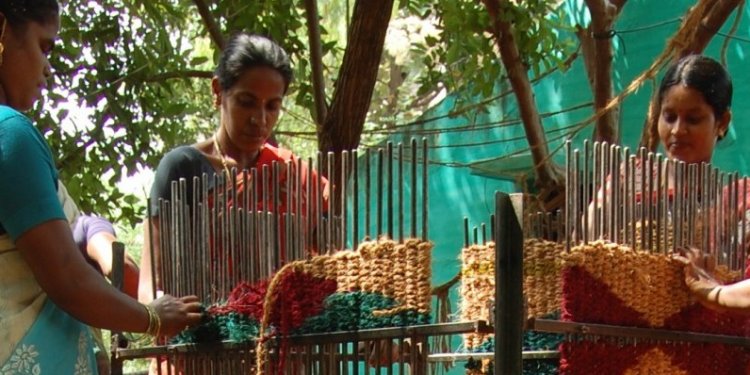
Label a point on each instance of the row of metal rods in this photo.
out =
(222, 235)
(649, 202)
(399, 356)
(472, 237)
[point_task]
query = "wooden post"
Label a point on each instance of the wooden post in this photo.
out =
(508, 315)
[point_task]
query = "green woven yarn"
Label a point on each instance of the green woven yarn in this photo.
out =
(216, 328)
(532, 340)
(353, 310)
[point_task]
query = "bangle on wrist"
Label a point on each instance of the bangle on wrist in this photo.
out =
(154, 322)
(718, 292)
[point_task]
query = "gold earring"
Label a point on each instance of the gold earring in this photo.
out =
(2, 34)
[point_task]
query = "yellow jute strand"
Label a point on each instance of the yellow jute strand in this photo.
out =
(644, 227)
(477, 287)
(416, 295)
(542, 266)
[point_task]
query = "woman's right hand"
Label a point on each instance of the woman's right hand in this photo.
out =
(699, 268)
(176, 314)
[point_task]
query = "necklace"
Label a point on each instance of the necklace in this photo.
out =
(221, 155)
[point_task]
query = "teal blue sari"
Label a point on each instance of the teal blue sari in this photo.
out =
(57, 343)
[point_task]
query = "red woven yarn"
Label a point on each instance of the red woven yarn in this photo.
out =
(246, 299)
(580, 289)
(300, 295)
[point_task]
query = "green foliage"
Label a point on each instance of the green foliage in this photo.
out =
(465, 53)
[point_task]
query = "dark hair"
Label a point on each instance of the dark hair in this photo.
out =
(244, 51)
(703, 74)
(20, 12)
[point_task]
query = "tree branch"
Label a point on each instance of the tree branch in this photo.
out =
(549, 180)
(213, 29)
(715, 17)
(316, 62)
(179, 74)
(356, 79)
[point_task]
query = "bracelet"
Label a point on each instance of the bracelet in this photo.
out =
(718, 292)
(154, 322)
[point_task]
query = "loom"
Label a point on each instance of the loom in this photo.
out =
(244, 257)
(597, 276)
(640, 221)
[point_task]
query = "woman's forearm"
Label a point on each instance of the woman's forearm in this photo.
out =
(73, 285)
(734, 296)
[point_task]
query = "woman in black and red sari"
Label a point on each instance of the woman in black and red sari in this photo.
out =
(250, 81)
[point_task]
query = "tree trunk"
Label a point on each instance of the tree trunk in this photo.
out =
(600, 33)
(316, 62)
(352, 93)
(710, 24)
(549, 180)
(356, 80)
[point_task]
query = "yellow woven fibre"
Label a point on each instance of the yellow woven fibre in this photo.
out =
(542, 264)
(655, 362)
(477, 287)
(652, 284)
(401, 271)
(642, 228)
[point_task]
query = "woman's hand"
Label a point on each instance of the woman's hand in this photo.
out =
(176, 314)
(698, 269)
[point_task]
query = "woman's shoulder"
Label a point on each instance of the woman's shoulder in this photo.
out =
(184, 156)
(17, 131)
(13, 121)
(183, 162)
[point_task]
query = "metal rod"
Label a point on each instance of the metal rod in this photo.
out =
(344, 183)
(319, 214)
(379, 215)
(413, 206)
(425, 188)
(583, 181)
(577, 228)
(368, 177)
(569, 192)
(355, 199)
(389, 192)
(466, 232)
(400, 192)
(658, 203)
(330, 171)
(627, 197)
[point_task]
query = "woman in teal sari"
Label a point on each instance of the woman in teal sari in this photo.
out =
(48, 293)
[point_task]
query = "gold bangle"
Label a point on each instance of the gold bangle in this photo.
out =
(154, 322)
